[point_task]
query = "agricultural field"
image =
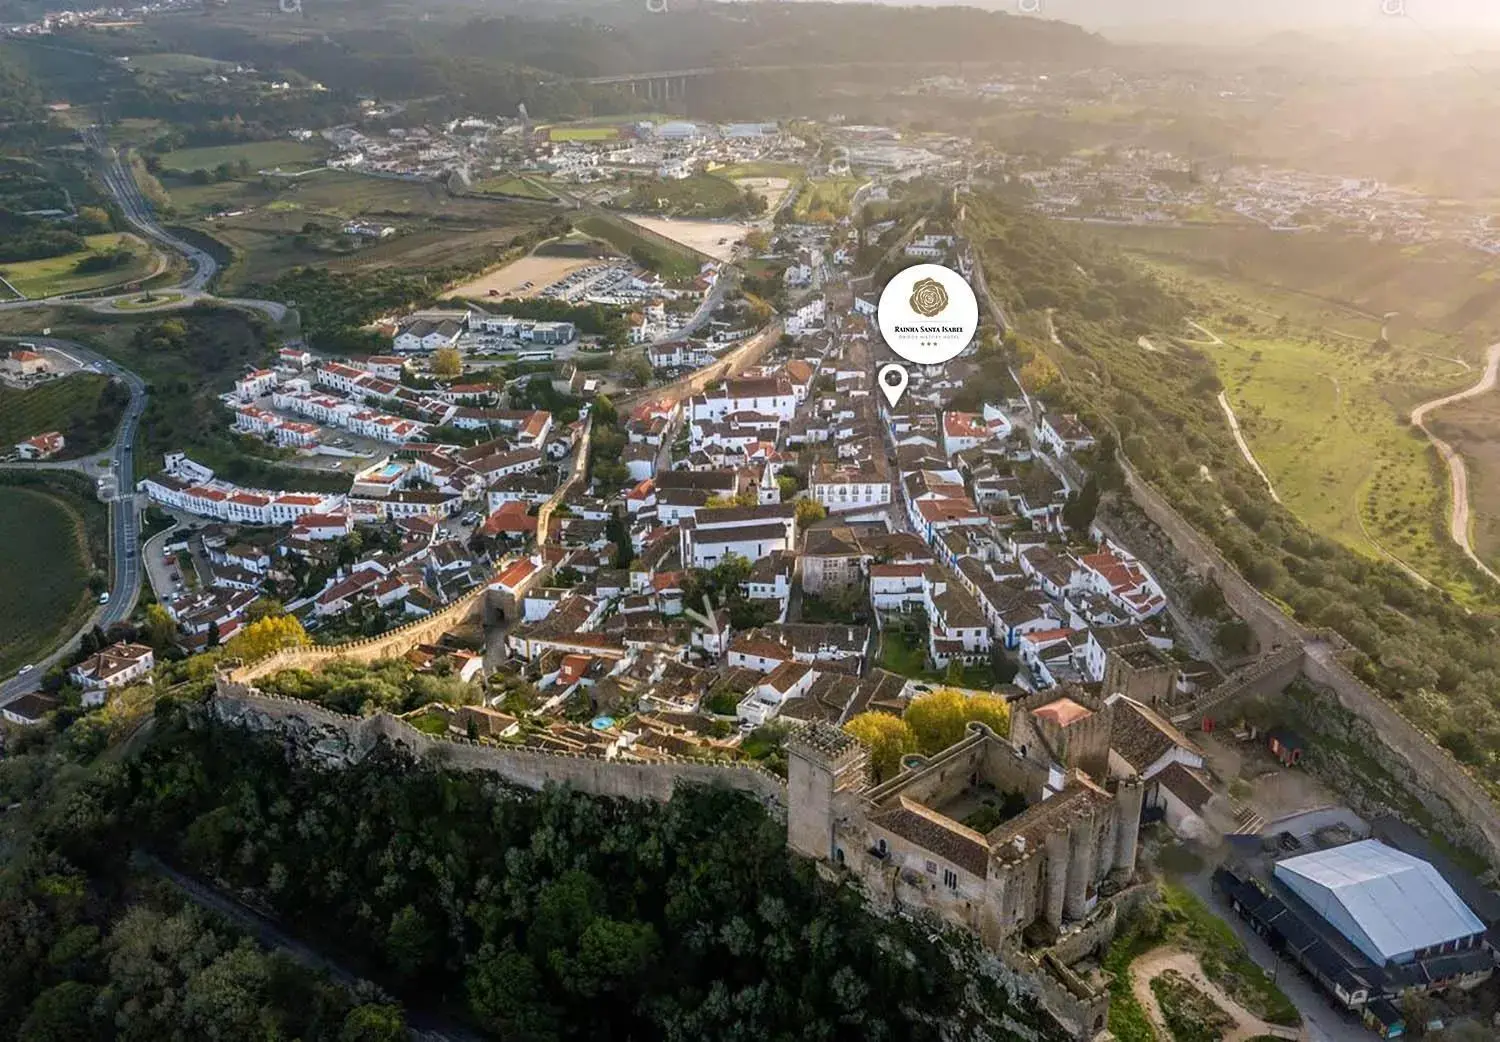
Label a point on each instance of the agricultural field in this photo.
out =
(825, 201)
(82, 406)
(45, 555)
(259, 155)
(735, 171)
(57, 275)
(267, 235)
(177, 64)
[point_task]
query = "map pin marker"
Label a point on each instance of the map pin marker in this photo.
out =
(893, 379)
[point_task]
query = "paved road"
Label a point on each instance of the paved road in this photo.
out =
(1458, 473)
(124, 521)
(138, 212)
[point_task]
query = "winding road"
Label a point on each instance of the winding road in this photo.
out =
(124, 522)
(1458, 473)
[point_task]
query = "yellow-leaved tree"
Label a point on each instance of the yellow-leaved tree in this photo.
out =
(269, 635)
(937, 719)
(446, 363)
(887, 736)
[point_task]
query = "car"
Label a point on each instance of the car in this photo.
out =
(25, 669)
(104, 597)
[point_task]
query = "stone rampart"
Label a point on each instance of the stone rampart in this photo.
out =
(1467, 812)
(334, 739)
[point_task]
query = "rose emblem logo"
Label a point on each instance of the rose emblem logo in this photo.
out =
(928, 297)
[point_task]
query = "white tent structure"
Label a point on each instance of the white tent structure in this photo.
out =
(1393, 907)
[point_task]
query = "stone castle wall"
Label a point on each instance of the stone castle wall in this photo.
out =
(334, 739)
(1464, 808)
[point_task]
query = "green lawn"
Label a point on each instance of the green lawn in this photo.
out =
(56, 275)
(44, 556)
(260, 155)
(76, 405)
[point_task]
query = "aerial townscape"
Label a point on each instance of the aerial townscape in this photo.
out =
(487, 550)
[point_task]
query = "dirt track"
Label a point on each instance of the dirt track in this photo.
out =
(1458, 473)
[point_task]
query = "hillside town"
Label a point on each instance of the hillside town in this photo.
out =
(699, 533)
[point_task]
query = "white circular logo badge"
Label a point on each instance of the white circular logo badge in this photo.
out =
(928, 314)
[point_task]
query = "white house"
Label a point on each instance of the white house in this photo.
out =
(115, 666)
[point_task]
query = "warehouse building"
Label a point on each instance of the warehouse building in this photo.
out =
(1368, 922)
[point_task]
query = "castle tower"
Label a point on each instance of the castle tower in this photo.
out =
(1128, 800)
(1057, 878)
(1082, 849)
(822, 761)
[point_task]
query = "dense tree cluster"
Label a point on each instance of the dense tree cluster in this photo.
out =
(553, 915)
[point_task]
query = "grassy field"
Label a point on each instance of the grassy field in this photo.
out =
(702, 195)
(56, 275)
(733, 171)
(1439, 289)
(1327, 421)
(825, 201)
(1473, 428)
(190, 64)
(261, 155)
(75, 405)
(514, 184)
(1326, 412)
(44, 553)
(668, 261)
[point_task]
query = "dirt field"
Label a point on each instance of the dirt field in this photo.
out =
(715, 238)
(772, 189)
(507, 281)
(1247, 1025)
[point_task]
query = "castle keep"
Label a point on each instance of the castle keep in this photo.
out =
(1058, 832)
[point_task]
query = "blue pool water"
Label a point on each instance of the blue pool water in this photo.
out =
(602, 723)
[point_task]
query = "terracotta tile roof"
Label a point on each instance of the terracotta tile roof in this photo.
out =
(932, 832)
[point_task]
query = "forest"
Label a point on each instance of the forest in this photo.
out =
(530, 916)
(1438, 663)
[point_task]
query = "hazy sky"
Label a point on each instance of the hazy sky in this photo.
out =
(1384, 15)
